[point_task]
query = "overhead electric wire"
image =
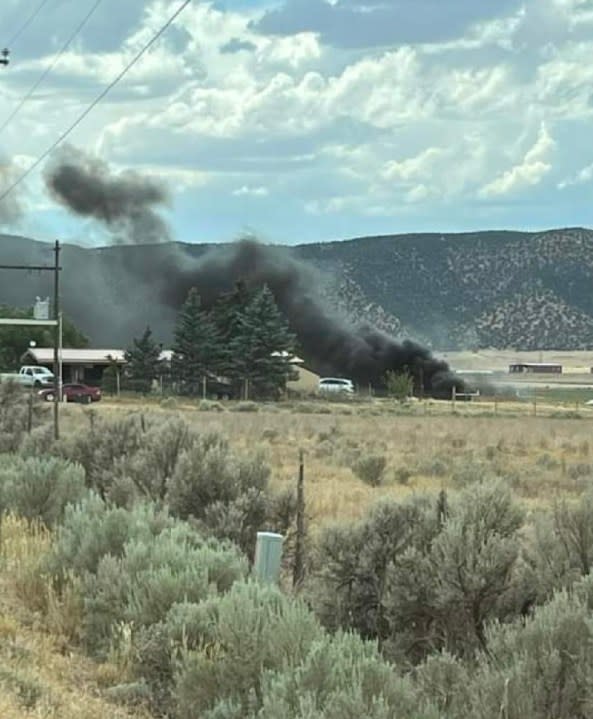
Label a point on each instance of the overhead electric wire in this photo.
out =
(26, 24)
(52, 64)
(96, 101)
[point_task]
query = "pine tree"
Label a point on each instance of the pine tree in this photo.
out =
(196, 346)
(143, 362)
(261, 347)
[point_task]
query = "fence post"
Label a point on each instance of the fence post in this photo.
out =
(299, 552)
(268, 555)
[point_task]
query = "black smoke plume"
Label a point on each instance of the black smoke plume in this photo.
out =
(127, 203)
(330, 346)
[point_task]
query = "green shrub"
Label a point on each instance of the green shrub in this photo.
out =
(39, 442)
(540, 668)
(245, 407)
(402, 475)
(441, 595)
(233, 639)
(14, 415)
(225, 493)
(350, 563)
(168, 403)
(139, 587)
(370, 469)
(207, 405)
(341, 677)
(92, 530)
(155, 460)
(560, 549)
(40, 488)
(107, 446)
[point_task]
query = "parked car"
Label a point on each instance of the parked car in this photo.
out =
(73, 393)
(30, 376)
(336, 384)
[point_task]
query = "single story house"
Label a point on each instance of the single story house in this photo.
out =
(87, 366)
(78, 365)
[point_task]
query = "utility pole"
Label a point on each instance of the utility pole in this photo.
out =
(55, 323)
(57, 342)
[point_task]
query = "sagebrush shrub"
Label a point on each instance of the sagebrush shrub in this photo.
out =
(208, 405)
(40, 488)
(226, 493)
(93, 529)
(235, 638)
(539, 668)
(341, 676)
(246, 406)
(560, 549)
(370, 469)
(15, 405)
(351, 563)
(142, 585)
(442, 594)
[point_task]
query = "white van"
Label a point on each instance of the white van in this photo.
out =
(336, 384)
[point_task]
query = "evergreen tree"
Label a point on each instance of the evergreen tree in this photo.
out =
(261, 347)
(226, 314)
(196, 346)
(143, 362)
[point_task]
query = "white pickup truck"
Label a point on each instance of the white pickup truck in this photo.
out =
(30, 376)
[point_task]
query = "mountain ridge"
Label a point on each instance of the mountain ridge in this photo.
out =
(495, 288)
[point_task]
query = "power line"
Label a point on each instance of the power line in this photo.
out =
(51, 66)
(96, 101)
(27, 22)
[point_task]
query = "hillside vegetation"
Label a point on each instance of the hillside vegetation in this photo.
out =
(485, 289)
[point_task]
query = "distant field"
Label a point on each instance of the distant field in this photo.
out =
(499, 360)
(427, 447)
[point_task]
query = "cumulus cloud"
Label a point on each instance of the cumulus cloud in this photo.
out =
(530, 171)
(354, 119)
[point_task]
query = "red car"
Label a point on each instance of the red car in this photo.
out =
(73, 393)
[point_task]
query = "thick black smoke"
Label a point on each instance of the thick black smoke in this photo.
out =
(332, 347)
(127, 203)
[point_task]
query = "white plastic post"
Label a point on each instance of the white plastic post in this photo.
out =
(268, 555)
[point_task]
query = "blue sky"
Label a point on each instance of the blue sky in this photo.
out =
(313, 120)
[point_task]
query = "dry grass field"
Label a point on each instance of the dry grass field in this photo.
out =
(425, 447)
(40, 675)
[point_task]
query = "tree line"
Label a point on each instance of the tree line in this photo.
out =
(242, 346)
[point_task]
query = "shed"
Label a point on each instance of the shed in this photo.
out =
(535, 368)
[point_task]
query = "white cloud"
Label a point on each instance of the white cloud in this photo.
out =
(530, 171)
(413, 168)
(582, 177)
(421, 128)
(246, 191)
